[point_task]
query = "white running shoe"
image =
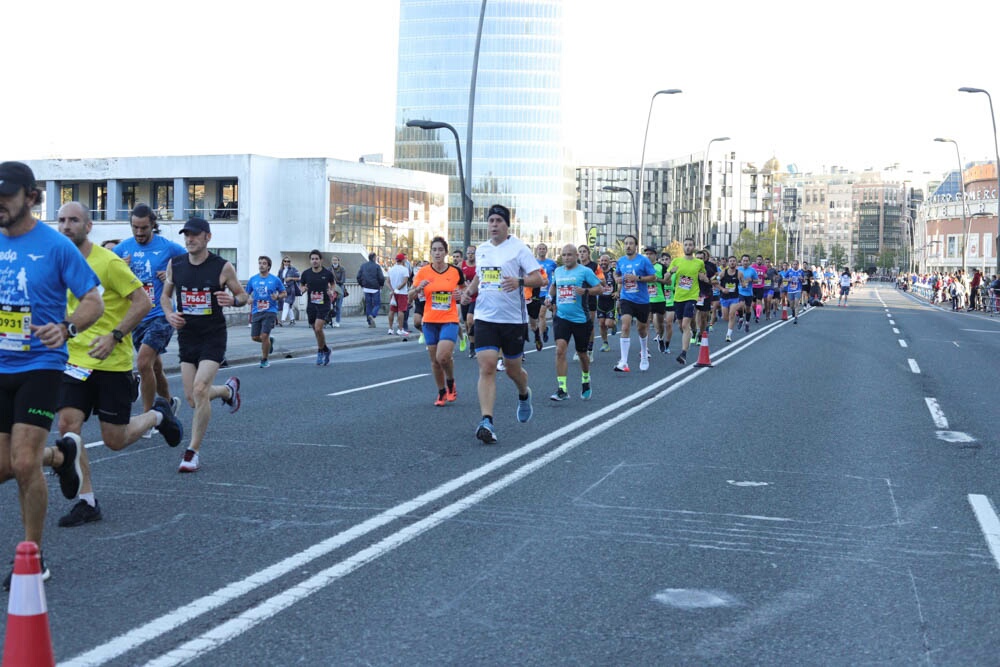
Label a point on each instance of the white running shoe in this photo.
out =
(644, 363)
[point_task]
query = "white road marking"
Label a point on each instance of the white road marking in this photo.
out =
(955, 436)
(895, 331)
(937, 414)
(180, 616)
(892, 322)
(902, 343)
(988, 522)
(913, 366)
(735, 483)
(378, 384)
(955, 343)
(982, 330)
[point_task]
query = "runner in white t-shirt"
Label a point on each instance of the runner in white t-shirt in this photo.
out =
(504, 266)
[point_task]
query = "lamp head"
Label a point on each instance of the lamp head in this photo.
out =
(425, 124)
(969, 89)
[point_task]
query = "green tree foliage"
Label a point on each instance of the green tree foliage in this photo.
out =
(838, 255)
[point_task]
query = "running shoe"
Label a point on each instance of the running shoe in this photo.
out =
(463, 344)
(486, 433)
(326, 357)
(336, 325)
(666, 350)
(170, 427)
(538, 344)
(451, 394)
(621, 367)
(190, 462)
(319, 358)
(46, 574)
(576, 356)
(605, 346)
(404, 333)
(560, 395)
(390, 332)
(585, 393)
(729, 339)
(264, 363)
(500, 365)
(80, 514)
(662, 344)
(234, 394)
(711, 328)
(439, 400)
(739, 322)
(69, 472)
(644, 362)
(472, 353)
(545, 334)
(747, 325)
(175, 404)
(694, 340)
(795, 321)
(682, 358)
(524, 409)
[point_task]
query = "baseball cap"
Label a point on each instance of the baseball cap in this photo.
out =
(400, 257)
(14, 176)
(650, 248)
(196, 225)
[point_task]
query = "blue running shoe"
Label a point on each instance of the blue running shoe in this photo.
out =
(524, 409)
(586, 393)
(486, 433)
(319, 358)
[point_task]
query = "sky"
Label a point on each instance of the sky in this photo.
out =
(856, 84)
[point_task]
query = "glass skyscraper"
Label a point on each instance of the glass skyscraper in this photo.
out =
(518, 155)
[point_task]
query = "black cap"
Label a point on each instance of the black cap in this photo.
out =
(502, 211)
(196, 225)
(14, 176)
(650, 248)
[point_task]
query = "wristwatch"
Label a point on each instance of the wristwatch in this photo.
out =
(117, 335)
(70, 329)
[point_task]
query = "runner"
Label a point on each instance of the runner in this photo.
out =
(669, 287)
(845, 287)
(147, 254)
(549, 268)
(504, 266)
(606, 301)
(468, 266)
(633, 269)
(98, 378)
(703, 307)
(534, 299)
(690, 272)
(772, 280)
(439, 282)
(759, 287)
(33, 335)
(657, 300)
(203, 278)
(732, 302)
(265, 291)
(319, 286)
(586, 261)
(572, 285)
(794, 278)
(746, 290)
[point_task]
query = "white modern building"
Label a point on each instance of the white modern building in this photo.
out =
(258, 205)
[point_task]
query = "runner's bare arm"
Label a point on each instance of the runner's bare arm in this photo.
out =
(175, 319)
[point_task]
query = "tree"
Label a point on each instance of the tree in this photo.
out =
(675, 249)
(886, 259)
(838, 256)
(819, 253)
(746, 244)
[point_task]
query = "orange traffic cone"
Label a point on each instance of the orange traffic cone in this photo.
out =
(784, 313)
(28, 642)
(703, 359)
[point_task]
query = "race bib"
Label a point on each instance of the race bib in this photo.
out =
(317, 298)
(564, 294)
(196, 302)
(150, 291)
(651, 287)
(440, 300)
(685, 282)
(668, 294)
(631, 285)
(608, 290)
(489, 279)
(263, 304)
(78, 372)
(15, 328)
(793, 284)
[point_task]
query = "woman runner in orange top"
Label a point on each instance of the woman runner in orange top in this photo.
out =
(440, 283)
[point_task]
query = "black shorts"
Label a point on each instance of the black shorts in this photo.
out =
(27, 398)
(468, 309)
(759, 292)
(657, 307)
(198, 346)
(315, 311)
(705, 306)
(591, 305)
(508, 339)
(748, 302)
(579, 332)
(107, 394)
(534, 308)
(418, 307)
(684, 309)
(639, 311)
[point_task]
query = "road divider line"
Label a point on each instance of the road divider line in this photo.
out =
(378, 384)
(895, 331)
(937, 414)
(913, 366)
(989, 523)
(892, 322)
(902, 343)
(171, 620)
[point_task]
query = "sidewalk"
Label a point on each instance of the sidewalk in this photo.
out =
(297, 341)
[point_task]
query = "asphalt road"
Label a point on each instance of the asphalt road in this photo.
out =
(801, 502)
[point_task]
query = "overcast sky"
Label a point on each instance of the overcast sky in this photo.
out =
(852, 83)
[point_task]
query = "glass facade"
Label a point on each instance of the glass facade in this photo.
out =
(518, 155)
(386, 220)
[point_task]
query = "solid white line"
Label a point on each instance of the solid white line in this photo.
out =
(171, 620)
(378, 384)
(988, 522)
(937, 414)
(902, 343)
(895, 331)
(913, 366)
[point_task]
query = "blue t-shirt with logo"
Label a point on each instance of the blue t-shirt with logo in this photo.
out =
(632, 290)
(571, 306)
(148, 260)
(750, 274)
(794, 280)
(36, 270)
(550, 268)
(261, 288)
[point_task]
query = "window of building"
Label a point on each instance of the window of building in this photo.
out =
(68, 193)
(227, 197)
(228, 254)
(128, 191)
(196, 200)
(163, 199)
(98, 201)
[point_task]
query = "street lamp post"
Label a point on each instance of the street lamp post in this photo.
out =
(704, 190)
(466, 196)
(642, 161)
(996, 153)
(965, 220)
(618, 188)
